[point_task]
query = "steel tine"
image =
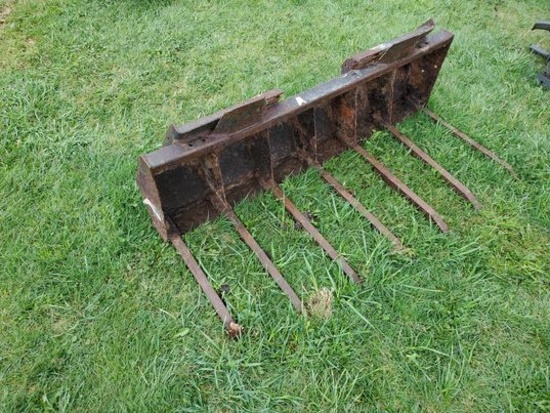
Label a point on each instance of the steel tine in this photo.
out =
(461, 135)
(458, 186)
(398, 185)
(233, 329)
(247, 237)
(344, 193)
(314, 232)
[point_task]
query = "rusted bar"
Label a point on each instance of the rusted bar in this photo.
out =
(344, 193)
(397, 184)
(458, 186)
(247, 237)
(461, 135)
(314, 232)
(233, 329)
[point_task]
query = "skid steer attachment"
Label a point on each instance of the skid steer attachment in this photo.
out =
(208, 165)
(544, 77)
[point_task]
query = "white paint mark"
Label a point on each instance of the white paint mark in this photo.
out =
(381, 46)
(158, 214)
(300, 101)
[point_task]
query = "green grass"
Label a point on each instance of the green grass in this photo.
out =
(97, 314)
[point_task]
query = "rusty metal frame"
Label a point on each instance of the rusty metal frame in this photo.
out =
(207, 166)
(543, 77)
(224, 155)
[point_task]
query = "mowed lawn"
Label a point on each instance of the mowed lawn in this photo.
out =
(97, 314)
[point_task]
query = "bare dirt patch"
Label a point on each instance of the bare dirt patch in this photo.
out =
(320, 303)
(4, 13)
